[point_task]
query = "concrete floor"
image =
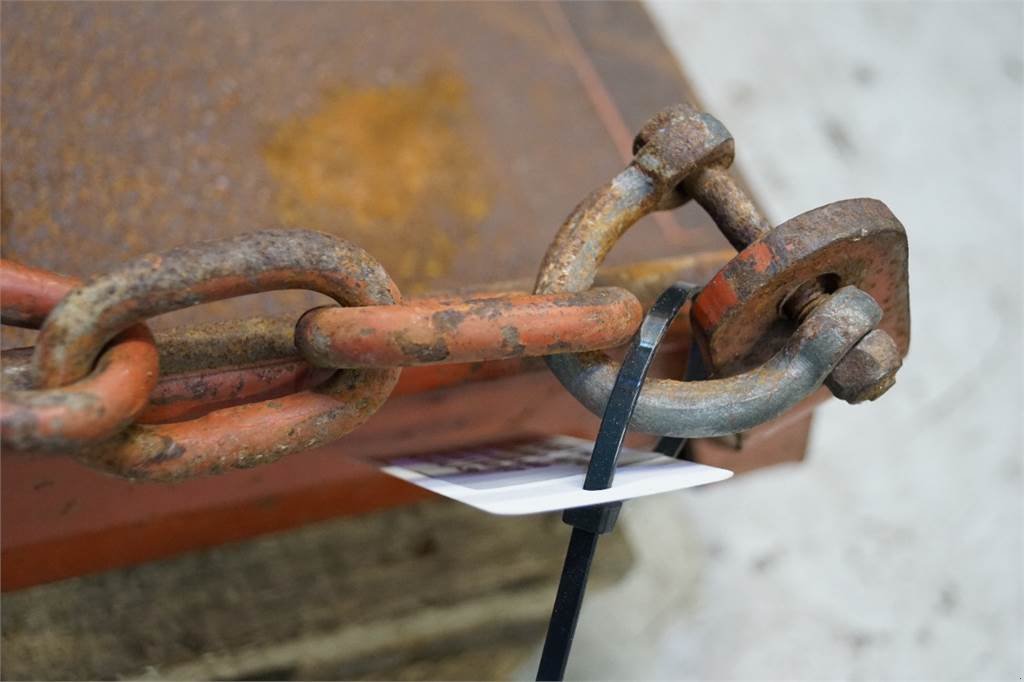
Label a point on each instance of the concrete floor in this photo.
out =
(895, 551)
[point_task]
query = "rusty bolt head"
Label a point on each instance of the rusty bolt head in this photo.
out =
(868, 370)
(676, 143)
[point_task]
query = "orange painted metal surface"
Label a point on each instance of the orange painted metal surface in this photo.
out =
(67, 532)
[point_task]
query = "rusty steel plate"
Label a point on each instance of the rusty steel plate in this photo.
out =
(738, 318)
(433, 135)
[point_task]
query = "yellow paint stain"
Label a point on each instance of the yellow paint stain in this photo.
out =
(391, 168)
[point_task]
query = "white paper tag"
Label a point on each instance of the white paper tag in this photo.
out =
(544, 475)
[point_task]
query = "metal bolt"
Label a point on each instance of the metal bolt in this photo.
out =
(868, 370)
(728, 204)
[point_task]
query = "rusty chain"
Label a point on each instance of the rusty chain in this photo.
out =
(820, 298)
(682, 153)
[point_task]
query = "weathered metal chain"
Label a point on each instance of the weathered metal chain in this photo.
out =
(239, 436)
(682, 153)
(239, 394)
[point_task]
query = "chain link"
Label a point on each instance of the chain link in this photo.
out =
(243, 393)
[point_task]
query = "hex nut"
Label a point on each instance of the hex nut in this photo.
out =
(868, 370)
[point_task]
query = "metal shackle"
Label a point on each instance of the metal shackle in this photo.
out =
(682, 154)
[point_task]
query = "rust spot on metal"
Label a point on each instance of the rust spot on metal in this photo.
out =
(511, 344)
(425, 352)
(382, 159)
(447, 321)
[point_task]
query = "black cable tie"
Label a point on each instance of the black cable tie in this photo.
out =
(589, 523)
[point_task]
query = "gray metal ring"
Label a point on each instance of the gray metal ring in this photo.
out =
(717, 407)
(673, 146)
